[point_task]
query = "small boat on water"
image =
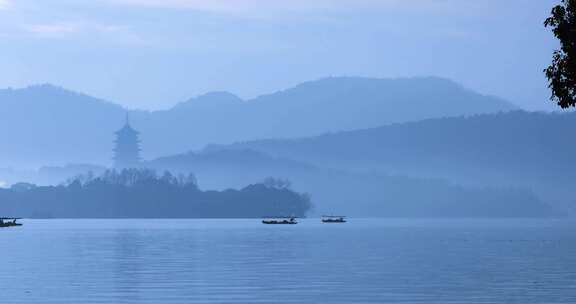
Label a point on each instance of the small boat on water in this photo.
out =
(333, 219)
(280, 221)
(9, 222)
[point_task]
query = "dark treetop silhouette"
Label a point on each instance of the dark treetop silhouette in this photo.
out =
(142, 193)
(561, 73)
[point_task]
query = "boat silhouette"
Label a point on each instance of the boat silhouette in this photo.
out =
(333, 219)
(280, 220)
(9, 222)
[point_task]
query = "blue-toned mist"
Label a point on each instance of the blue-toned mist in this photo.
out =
(411, 147)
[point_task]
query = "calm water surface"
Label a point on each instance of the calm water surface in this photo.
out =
(243, 261)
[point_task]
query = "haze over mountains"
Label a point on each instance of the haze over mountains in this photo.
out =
(47, 125)
(357, 193)
(513, 146)
(359, 146)
(517, 149)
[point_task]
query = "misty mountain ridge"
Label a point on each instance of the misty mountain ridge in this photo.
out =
(49, 94)
(519, 149)
(356, 193)
(337, 190)
(231, 158)
(76, 128)
(332, 88)
(517, 142)
(210, 99)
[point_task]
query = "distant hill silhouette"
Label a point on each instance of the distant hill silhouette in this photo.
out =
(518, 148)
(47, 125)
(355, 193)
(343, 191)
(522, 143)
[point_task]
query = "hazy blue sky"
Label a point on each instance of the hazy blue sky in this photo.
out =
(154, 53)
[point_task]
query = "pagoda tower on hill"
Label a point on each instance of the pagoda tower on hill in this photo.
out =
(127, 147)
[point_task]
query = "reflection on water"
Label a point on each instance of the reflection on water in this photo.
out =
(243, 261)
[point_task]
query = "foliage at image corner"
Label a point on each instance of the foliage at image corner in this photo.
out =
(561, 73)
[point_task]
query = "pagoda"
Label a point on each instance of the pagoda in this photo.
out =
(127, 147)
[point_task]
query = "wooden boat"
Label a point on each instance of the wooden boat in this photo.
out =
(280, 221)
(9, 222)
(333, 219)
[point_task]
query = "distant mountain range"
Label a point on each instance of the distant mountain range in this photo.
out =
(47, 125)
(340, 190)
(490, 147)
(518, 149)
(363, 147)
(359, 194)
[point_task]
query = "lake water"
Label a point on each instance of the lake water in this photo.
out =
(243, 261)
